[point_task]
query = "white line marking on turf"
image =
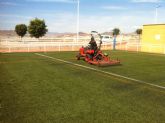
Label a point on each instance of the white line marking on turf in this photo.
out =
(101, 71)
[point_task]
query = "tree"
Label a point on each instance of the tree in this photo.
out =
(139, 32)
(116, 31)
(21, 29)
(37, 28)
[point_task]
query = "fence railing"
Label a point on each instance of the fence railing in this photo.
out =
(59, 44)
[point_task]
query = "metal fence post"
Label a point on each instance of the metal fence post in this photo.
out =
(72, 47)
(6, 41)
(9, 49)
(137, 47)
(126, 46)
(44, 47)
(28, 47)
(59, 48)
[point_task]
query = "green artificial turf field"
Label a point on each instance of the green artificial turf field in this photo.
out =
(36, 89)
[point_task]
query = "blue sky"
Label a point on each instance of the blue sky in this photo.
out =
(99, 15)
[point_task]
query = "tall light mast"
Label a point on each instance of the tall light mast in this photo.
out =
(78, 14)
(156, 13)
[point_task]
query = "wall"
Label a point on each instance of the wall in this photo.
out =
(153, 38)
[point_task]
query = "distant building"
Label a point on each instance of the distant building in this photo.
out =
(153, 38)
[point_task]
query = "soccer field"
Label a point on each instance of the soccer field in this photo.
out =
(38, 89)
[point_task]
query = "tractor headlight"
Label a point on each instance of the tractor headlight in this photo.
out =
(105, 54)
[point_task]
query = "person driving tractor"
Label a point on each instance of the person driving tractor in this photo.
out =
(93, 43)
(93, 48)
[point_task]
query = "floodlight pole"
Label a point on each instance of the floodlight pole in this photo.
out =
(156, 13)
(78, 11)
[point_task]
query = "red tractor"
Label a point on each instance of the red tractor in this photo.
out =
(93, 55)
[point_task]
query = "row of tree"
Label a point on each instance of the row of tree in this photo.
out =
(116, 31)
(37, 28)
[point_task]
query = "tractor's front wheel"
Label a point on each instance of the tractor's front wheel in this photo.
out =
(78, 57)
